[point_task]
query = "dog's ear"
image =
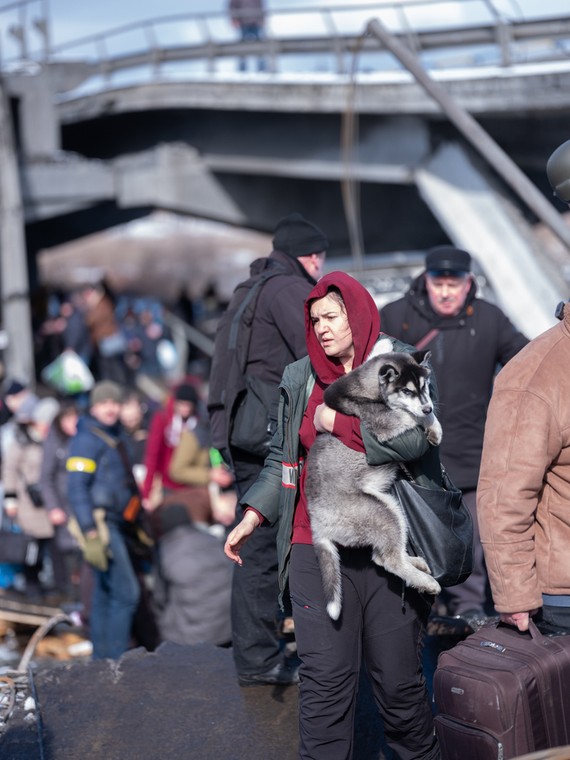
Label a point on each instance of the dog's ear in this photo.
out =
(422, 357)
(388, 373)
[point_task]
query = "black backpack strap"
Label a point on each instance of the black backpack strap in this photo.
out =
(250, 299)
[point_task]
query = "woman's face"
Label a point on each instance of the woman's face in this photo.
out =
(68, 423)
(131, 413)
(330, 323)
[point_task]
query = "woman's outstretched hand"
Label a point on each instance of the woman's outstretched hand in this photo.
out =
(240, 534)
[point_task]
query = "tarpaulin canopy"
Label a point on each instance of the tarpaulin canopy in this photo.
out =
(162, 255)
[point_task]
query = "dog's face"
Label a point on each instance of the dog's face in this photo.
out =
(404, 382)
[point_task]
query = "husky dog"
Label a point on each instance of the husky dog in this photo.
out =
(349, 501)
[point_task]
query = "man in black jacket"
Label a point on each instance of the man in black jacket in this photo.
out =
(277, 339)
(469, 339)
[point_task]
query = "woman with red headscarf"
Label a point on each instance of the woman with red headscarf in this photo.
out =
(382, 622)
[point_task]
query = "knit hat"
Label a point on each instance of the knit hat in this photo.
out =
(24, 413)
(106, 390)
(45, 410)
(186, 392)
(447, 260)
(296, 236)
(14, 387)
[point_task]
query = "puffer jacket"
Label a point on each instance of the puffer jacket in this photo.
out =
(464, 356)
(98, 478)
(523, 500)
(274, 494)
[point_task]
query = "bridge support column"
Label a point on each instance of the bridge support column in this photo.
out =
(14, 288)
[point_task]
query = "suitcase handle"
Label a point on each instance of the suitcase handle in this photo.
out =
(535, 633)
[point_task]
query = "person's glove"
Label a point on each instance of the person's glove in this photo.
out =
(95, 553)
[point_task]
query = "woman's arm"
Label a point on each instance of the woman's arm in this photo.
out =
(240, 534)
(406, 447)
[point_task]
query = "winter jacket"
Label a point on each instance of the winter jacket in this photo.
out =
(193, 588)
(190, 462)
(465, 356)
(163, 437)
(277, 338)
(54, 474)
(523, 502)
(98, 477)
(21, 467)
(274, 494)
(53, 481)
(278, 330)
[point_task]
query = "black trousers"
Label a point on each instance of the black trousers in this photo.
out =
(378, 627)
(256, 645)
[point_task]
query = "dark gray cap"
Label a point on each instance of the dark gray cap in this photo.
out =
(447, 260)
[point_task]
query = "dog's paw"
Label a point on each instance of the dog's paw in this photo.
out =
(430, 586)
(421, 564)
(434, 433)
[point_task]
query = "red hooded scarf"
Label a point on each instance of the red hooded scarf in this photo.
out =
(363, 318)
(364, 322)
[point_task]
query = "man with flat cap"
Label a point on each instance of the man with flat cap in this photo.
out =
(469, 339)
(277, 338)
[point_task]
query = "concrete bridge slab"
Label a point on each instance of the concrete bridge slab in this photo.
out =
(179, 702)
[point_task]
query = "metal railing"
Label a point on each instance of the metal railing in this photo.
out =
(333, 32)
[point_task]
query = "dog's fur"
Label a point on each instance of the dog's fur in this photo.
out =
(349, 501)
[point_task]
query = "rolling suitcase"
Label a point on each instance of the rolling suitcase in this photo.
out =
(501, 693)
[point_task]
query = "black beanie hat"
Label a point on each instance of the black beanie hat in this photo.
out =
(447, 260)
(295, 236)
(186, 392)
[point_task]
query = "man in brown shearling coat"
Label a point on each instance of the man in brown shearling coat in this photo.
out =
(523, 501)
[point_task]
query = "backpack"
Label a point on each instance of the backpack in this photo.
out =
(242, 408)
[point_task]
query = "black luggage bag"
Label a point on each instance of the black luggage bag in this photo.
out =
(501, 693)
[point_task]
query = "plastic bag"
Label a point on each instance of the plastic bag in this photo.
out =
(68, 374)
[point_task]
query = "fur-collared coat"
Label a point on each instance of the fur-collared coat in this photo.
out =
(523, 500)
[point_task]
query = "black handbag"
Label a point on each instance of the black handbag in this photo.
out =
(440, 528)
(35, 494)
(16, 548)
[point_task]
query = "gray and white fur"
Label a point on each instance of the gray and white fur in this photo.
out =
(349, 501)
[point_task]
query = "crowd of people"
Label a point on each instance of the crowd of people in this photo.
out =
(74, 479)
(133, 506)
(117, 337)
